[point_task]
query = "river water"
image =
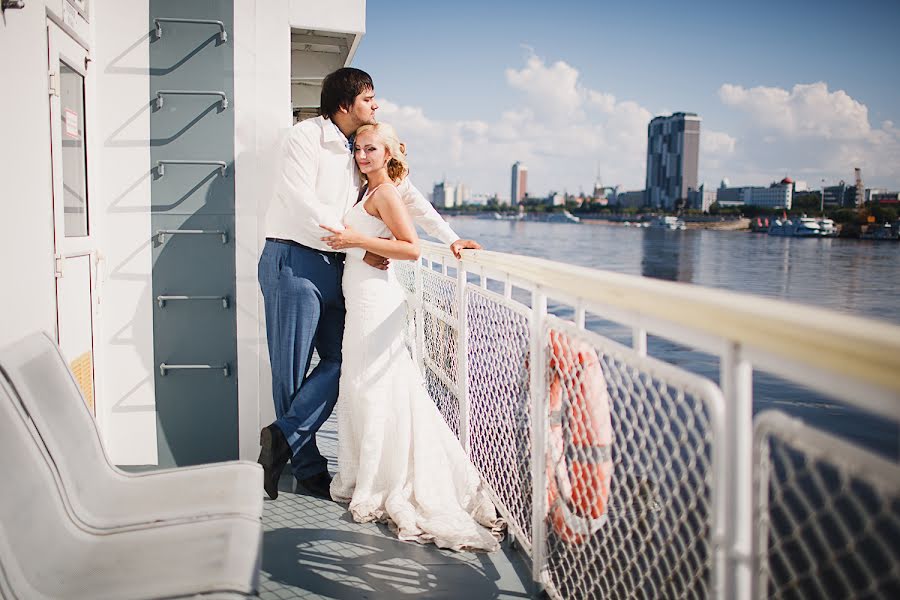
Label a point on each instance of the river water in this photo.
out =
(848, 276)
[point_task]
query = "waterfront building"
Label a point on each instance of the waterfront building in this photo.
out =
(461, 196)
(633, 199)
(673, 150)
(605, 194)
(519, 188)
(444, 195)
(556, 199)
(729, 196)
(842, 195)
(872, 193)
(701, 199)
(776, 196)
(885, 197)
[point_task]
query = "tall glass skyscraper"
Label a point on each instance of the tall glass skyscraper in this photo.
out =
(673, 149)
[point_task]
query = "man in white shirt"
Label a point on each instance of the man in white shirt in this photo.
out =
(300, 276)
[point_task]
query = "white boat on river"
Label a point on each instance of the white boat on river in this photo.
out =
(668, 222)
(804, 227)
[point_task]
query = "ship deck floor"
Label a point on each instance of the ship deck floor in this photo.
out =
(312, 548)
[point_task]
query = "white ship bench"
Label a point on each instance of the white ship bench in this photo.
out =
(74, 526)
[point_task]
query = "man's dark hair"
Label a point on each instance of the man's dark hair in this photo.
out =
(340, 89)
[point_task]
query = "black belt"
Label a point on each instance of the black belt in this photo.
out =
(299, 245)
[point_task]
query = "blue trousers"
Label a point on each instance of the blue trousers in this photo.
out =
(304, 306)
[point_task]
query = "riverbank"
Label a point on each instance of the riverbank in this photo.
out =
(741, 224)
(717, 224)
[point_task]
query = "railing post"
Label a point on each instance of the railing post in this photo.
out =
(579, 316)
(420, 318)
(639, 341)
(736, 378)
(538, 435)
(462, 354)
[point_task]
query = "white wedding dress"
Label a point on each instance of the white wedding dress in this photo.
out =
(398, 461)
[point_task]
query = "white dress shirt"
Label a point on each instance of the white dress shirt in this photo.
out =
(319, 183)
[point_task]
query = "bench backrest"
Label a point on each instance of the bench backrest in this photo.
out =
(48, 392)
(35, 524)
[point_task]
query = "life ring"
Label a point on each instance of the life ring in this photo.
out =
(578, 480)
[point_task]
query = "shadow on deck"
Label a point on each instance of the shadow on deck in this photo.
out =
(313, 549)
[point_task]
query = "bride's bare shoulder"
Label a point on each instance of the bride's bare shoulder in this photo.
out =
(386, 193)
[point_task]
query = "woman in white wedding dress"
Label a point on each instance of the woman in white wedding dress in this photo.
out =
(398, 461)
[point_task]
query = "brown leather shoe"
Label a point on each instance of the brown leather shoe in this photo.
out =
(273, 456)
(317, 485)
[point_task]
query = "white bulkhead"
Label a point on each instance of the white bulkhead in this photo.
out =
(76, 178)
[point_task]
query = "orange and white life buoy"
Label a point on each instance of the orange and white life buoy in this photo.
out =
(579, 458)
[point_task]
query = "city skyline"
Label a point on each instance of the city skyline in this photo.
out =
(793, 95)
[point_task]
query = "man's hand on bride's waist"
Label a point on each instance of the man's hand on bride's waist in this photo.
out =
(341, 239)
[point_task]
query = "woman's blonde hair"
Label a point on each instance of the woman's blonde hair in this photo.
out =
(397, 167)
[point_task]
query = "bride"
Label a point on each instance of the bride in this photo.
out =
(398, 461)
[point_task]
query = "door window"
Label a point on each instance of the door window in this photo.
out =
(74, 162)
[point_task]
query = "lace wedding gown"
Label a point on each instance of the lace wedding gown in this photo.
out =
(398, 461)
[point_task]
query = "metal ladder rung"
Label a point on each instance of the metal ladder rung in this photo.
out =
(164, 368)
(161, 300)
(223, 36)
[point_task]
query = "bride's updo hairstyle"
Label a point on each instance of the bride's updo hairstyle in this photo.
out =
(397, 166)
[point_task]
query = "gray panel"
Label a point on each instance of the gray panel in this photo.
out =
(196, 409)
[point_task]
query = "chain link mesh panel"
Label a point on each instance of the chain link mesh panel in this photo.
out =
(439, 292)
(828, 515)
(629, 462)
(629, 490)
(499, 422)
(405, 272)
(441, 352)
(439, 314)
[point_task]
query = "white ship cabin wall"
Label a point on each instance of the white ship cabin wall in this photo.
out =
(104, 309)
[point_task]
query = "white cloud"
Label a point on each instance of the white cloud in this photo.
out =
(811, 132)
(808, 110)
(716, 149)
(563, 131)
(553, 89)
(716, 143)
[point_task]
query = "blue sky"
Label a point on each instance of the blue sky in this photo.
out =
(801, 88)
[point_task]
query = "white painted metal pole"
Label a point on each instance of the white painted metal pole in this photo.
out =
(579, 316)
(639, 340)
(462, 356)
(538, 435)
(736, 378)
(420, 318)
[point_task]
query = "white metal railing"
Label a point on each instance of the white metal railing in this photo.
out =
(827, 515)
(664, 506)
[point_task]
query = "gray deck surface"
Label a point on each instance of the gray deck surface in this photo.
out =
(313, 549)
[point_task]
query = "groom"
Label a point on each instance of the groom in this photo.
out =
(300, 276)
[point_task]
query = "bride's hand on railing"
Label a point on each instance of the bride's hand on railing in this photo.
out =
(458, 245)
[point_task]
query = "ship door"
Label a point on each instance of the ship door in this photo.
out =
(74, 235)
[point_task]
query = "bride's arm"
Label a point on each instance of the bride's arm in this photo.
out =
(390, 209)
